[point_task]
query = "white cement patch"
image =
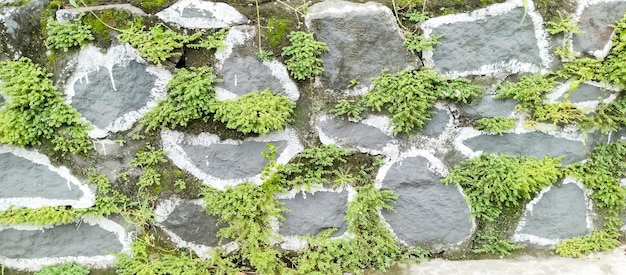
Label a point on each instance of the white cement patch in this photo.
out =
(214, 15)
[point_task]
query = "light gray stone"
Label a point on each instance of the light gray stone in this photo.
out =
(69, 240)
(560, 213)
(189, 221)
(427, 213)
(71, 14)
(536, 144)
(437, 124)
(489, 106)
(467, 46)
(243, 74)
(586, 92)
(311, 215)
(20, 177)
(351, 135)
(197, 14)
(363, 40)
(596, 21)
(105, 96)
(230, 161)
(20, 30)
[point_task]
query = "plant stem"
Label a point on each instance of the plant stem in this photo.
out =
(258, 24)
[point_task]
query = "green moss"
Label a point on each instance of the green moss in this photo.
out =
(121, 19)
(495, 125)
(276, 31)
(64, 269)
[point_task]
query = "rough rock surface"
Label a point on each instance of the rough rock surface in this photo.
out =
(535, 144)
(437, 124)
(489, 106)
(363, 40)
(560, 213)
(59, 241)
(352, 135)
(104, 95)
(428, 213)
(595, 21)
(469, 45)
(20, 177)
(20, 29)
(189, 222)
(587, 92)
(313, 214)
(197, 14)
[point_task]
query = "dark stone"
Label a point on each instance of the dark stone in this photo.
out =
(536, 144)
(230, 161)
(467, 46)
(68, 240)
(362, 42)
(559, 214)
(596, 21)
(319, 211)
(20, 31)
(97, 101)
(427, 213)
(437, 124)
(489, 106)
(194, 12)
(586, 92)
(192, 224)
(350, 134)
(244, 74)
(20, 177)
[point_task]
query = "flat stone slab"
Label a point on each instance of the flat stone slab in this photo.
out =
(311, 213)
(595, 19)
(27, 179)
(427, 213)
(71, 14)
(437, 124)
(363, 40)
(228, 162)
(113, 90)
(536, 144)
(587, 92)
(243, 73)
(89, 243)
(490, 40)
(558, 213)
(489, 106)
(197, 14)
(367, 136)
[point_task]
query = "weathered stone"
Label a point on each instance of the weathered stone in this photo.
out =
(68, 240)
(71, 14)
(20, 30)
(427, 213)
(489, 43)
(557, 214)
(596, 21)
(189, 222)
(437, 124)
(363, 40)
(104, 95)
(587, 92)
(314, 213)
(197, 14)
(489, 106)
(536, 144)
(352, 135)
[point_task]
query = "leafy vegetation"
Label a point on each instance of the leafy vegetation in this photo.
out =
(495, 125)
(35, 111)
(317, 165)
(302, 56)
(64, 269)
(610, 116)
(349, 108)
(67, 34)
(493, 244)
(563, 25)
(529, 91)
(420, 43)
(560, 113)
(255, 112)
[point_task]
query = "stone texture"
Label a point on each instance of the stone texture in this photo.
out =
(489, 106)
(560, 214)
(535, 144)
(20, 177)
(20, 30)
(466, 46)
(428, 213)
(586, 92)
(71, 14)
(363, 40)
(60, 241)
(105, 96)
(197, 14)
(313, 214)
(437, 124)
(595, 21)
(351, 135)
(243, 74)
(230, 161)
(189, 222)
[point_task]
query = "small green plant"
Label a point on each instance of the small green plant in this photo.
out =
(157, 44)
(255, 112)
(39, 216)
(563, 25)
(316, 165)
(492, 244)
(264, 55)
(64, 269)
(180, 184)
(68, 34)
(420, 43)
(149, 157)
(495, 125)
(560, 113)
(417, 16)
(349, 108)
(302, 56)
(353, 82)
(610, 116)
(211, 42)
(599, 240)
(565, 52)
(529, 91)
(276, 30)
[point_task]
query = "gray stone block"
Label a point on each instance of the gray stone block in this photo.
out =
(313, 214)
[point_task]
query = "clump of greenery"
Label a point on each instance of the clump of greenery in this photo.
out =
(190, 96)
(599, 240)
(317, 165)
(302, 56)
(610, 116)
(492, 182)
(581, 70)
(495, 125)
(211, 42)
(35, 111)
(255, 112)
(565, 52)
(493, 244)
(420, 43)
(64, 269)
(275, 31)
(102, 22)
(563, 25)
(350, 108)
(157, 44)
(613, 67)
(529, 91)
(560, 113)
(39, 216)
(67, 34)
(147, 160)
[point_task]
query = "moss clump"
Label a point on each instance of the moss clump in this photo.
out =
(121, 19)
(495, 125)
